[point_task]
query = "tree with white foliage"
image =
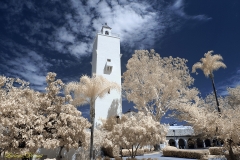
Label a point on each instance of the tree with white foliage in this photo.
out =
(33, 120)
(62, 124)
(234, 97)
(205, 119)
(86, 92)
(133, 132)
(98, 143)
(155, 84)
(18, 106)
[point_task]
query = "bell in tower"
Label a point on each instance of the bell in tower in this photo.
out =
(106, 30)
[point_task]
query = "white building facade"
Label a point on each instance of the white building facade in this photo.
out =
(106, 61)
(183, 137)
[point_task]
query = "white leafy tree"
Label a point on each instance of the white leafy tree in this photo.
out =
(98, 143)
(62, 124)
(205, 119)
(155, 84)
(133, 132)
(32, 120)
(86, 92)
(234, 97)
(18, 106)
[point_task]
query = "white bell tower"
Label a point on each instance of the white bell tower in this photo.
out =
(106, 61)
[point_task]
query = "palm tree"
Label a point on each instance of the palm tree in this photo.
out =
(209, 64)
(86, 92)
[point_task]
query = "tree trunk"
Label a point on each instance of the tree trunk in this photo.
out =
(92, 114)
(215, 93)
(3, 154)
(231, 154)
(59, 153)
(136, 148)
(121, 152)
(132, 152)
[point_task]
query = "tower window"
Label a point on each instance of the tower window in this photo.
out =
(109, 60)
(109, 68)
(109, 91)
(106, 33)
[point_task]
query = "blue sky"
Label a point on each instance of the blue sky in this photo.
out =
(37, 37)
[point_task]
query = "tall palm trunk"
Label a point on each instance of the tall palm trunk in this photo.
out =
(92, 114)
(215, 93)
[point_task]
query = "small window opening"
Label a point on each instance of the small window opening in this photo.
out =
(106, 33)
(109, 60)
(109, 68)
(109, 91)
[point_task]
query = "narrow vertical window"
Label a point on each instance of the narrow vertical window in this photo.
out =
(109, 68)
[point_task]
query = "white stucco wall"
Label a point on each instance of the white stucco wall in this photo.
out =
(53, 153)
(107, 47)
(180, 131)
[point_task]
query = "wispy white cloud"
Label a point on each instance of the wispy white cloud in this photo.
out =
(178, 8)
(139, 23)
(64, 35)
(231, 82)
(52, 31)
(27, 65)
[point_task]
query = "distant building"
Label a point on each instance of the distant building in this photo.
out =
(183, 137)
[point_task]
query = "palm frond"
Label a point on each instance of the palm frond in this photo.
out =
(209, 63)
(89, 89)
(197, 65)
(218, 65)
(217, 57)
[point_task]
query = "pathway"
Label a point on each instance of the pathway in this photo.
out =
(158, 155)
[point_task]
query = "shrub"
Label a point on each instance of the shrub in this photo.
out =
(112, 151)
(223, 151)
(106, 158)
(213, 157)
(117, 158)
(146, 149)
(126, 153)
(181, 153)
(237, 156)
(216, 150)
(169, 148)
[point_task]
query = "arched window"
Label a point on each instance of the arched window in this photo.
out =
(171, 142)
(106, 33)
(181, 144)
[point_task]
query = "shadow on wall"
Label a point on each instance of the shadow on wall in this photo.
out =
(114, 108)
